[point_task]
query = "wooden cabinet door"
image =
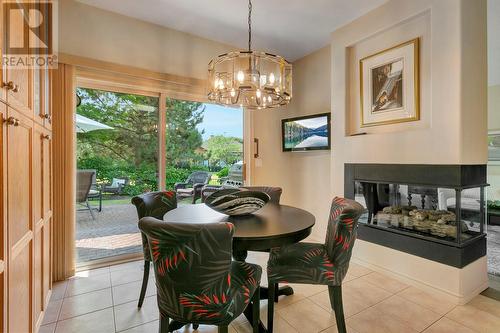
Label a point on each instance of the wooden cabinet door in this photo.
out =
(19, 161)
(3, 225)
(20, 98)
(3, 95)
(38, 223)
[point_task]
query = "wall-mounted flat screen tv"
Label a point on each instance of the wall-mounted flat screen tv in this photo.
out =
(306, 133)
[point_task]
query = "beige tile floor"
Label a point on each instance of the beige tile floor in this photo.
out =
(105, 300)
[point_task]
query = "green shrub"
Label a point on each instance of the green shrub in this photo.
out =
(224, 172)
(142, 178)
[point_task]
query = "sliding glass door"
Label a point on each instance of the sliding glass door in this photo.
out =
(128, 144)
(204, 146)
(117, 158)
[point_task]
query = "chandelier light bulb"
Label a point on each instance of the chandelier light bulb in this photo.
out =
(258, 93)
(263, 79)
(233, 92)
(240, 76)
(271, 78)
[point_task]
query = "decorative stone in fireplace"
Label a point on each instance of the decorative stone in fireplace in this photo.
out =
(433, 211)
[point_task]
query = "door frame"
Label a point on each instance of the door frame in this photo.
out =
(96, 74)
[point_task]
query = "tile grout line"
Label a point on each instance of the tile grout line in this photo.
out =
(112, 299)
(425, 307)
(131, 327)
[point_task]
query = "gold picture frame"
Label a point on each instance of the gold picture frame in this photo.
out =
(397, 97)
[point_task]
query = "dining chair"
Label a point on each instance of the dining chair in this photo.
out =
(273, 192)
(313, 263)
(154, 204)
(196, 279)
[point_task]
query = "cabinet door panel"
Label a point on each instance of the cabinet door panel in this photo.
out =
(3, 95)
(46, 263)
(19, 146)
(20, 318)
(38, 273)
(19, 161)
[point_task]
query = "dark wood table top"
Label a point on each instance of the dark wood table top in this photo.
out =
(272, 226)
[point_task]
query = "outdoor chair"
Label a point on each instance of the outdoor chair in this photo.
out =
(83, 185)
(196, 279)
(191, 188)
(95, 190)
(116, 186)
(154, 204)
(323, 264)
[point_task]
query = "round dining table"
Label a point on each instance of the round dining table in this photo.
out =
(272, 226)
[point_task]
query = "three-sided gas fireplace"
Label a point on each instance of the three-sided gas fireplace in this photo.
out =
(433, 211)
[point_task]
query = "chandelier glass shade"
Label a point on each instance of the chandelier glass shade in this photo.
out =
(250, 79)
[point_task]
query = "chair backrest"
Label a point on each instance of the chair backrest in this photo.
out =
(116, 182)
(199, 177)
(154, 204)
(192, 264)
(273, 192)
(83, 184)
(342, 230)
(94, 176)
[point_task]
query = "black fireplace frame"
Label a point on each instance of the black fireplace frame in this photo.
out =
(450, 176)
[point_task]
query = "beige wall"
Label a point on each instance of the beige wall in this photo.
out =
(304, 176)
(95, 33)
(453, 128)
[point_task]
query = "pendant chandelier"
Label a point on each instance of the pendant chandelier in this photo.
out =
(250, 79)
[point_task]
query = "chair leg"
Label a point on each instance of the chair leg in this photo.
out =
(90, 209)
(163, 324)
(145, 279)
(276, 292)
(270, 305)
(256, 310)
(336, 303)
(222, 329)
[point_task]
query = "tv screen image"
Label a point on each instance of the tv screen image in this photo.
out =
(306, 133)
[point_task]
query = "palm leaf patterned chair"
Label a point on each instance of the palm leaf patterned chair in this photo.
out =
(324, 264)
(154, 204)
(196, 279)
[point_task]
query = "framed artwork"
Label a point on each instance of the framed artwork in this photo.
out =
(389, 85)
(494, 145)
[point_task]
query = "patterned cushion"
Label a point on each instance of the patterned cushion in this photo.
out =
(155, 204)
(221, 305)
(196, 280)
(303, 263)
(327, 263)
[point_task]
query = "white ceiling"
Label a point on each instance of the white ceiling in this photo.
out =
(291, 28)
(493, 42)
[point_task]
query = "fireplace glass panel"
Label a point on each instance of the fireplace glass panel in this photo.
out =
(423, 211)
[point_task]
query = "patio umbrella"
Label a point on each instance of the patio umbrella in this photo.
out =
(84, 124)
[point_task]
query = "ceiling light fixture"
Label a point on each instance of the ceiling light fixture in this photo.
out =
(252, 79)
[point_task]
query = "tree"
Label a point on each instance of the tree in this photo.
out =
(223, 150)
(134, 118)
(183, 138)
